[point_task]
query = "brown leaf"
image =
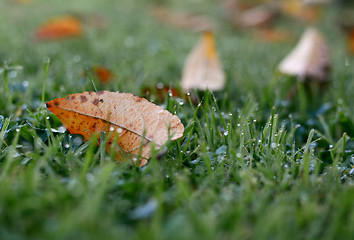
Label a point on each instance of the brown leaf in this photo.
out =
(134, 123)
(249, 14)
(184, 20)
(272, 35)
(349, 31)
(202, 69)
(309, 59)
(257, 16)
(301, 10)
(59, 27)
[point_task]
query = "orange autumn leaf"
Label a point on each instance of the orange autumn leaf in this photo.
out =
(309, 59)
(202, 69)
(132, 123)
(103, 74)
(59, 27)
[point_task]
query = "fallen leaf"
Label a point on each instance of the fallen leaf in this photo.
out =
(134, 123)
(202, 69)
(350, 39)
(246, 14)
(309, 59)
(257, 16)
(103, 74)
(183, 20)
(59, 27)
(301, 10)
(272, 35)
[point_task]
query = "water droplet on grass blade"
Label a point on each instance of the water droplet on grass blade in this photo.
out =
(61, 129)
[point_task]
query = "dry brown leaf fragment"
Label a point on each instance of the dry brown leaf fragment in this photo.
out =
(132, 122)
(257, 16)
(202, 69)
(309, 59)
(272, 35)
(59, 27)
(302, 10)
(350, 40)
(249, 14)
(184, 20)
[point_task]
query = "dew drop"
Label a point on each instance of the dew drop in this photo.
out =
(188, 93)
(119, 130)
(226, 133)
(17, 129)
(273, 145)
(238, 155)
(67, 145)
(61, 129)
(25, 84)
(238, 124)
(159, 85)
(111, 129)
(47, 118)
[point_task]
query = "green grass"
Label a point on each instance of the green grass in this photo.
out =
(251, 165)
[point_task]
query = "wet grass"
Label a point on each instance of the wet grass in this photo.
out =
(251, 164)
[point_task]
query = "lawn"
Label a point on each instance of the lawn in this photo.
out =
(252, 163)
